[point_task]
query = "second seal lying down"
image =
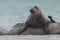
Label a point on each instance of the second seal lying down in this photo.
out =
(54, 27)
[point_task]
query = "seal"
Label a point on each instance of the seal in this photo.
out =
(36, 19)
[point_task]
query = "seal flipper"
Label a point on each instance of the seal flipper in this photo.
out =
(17, 29)
(51, 20)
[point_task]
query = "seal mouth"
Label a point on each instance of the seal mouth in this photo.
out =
(32, 11)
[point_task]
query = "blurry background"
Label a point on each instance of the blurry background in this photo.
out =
(17, 11)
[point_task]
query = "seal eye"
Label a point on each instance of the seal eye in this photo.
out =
(36, 7)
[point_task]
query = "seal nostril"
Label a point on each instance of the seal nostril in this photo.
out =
(32, 11)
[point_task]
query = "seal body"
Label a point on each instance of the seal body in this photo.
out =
(36, 19)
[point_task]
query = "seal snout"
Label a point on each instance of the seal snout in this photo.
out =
(32, 11)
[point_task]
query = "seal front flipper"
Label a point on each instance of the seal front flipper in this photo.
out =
(17, 29)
